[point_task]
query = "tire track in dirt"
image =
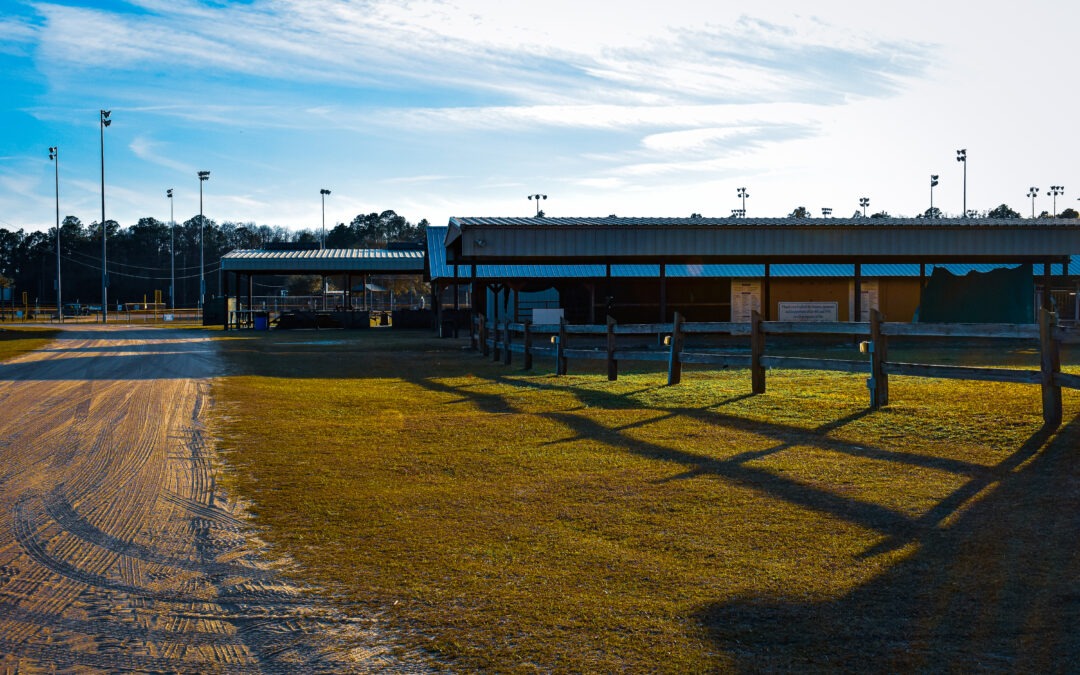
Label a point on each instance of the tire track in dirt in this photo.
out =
(117, 550)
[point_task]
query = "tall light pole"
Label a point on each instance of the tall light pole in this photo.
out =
(54, 155)
(864, 202)
(738, 213)
(1056, 190)
(323, 192)
(826, 212)
(172, 252)
(742, 193)
(105, 121)
(537, 197)
(203, 177)
(1033, 192)
(933, 182)
(961, 156)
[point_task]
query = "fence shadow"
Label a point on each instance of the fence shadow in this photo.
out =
(996, 590)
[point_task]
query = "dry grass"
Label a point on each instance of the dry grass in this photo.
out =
(16, 341)
(520, 522)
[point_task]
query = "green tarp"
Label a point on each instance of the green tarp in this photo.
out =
(1004, 295)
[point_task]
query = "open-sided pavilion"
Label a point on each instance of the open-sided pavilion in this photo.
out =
(241, 266)
(474, 242)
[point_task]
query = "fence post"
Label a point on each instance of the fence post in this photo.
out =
(612, 364)
(757, 350)
(528, 345)
(483, 335)
(472, 332)
(560, 349)
(878, 357)
(1049, 350)
(496, 344)
(674, 373)
(506, 344)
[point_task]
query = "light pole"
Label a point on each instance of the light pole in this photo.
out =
(961, 156)
(537, 197)
(54, 155)
(203, 177)
(1033, 192)
(322, 245)
(933, 182)
(738, 213)
(743, 194)
(864, 202)
(826, 212)
(1056, 190)
(105, 121)
(172, 252)
(323, 192)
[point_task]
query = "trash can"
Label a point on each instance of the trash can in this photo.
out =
(262, 321)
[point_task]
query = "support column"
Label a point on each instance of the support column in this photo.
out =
(663, 292)
(226, 294)
(609, 301)
(857, 310)
(1047, 302)
(766, 295)
(922, 281)
(250, 299)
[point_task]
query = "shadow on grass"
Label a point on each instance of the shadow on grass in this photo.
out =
(996, 590)
(992, 587)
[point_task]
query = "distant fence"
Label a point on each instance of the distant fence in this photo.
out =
(528, 339)
(126, 313)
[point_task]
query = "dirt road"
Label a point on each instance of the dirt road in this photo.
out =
(117, 551)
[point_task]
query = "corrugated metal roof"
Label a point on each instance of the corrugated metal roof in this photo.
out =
(324, 261)
(760, 240)
(764, 222)
(440, 270)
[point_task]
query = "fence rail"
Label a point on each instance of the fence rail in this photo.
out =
(509, 338)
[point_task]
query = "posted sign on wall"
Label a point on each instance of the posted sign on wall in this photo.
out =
(745, 298)
(807, 311)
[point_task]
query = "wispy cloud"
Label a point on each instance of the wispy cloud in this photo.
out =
(152, 151)
(409, 46)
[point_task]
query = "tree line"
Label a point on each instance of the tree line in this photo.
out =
(140, 257)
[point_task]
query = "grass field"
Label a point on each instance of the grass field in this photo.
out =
(519, 522)
(16, 341)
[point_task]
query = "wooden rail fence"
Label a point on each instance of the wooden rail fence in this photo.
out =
(507, 338)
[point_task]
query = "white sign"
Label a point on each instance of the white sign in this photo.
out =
(868, 298)
(745, 298)
(807, 311)
(168, 317)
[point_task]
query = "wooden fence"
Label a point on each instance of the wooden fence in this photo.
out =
(553, 340)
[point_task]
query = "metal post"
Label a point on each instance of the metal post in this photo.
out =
(54, 154)
(172, 251)
(203, 177)
(104, 122)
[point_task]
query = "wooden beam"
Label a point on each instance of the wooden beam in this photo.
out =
(528, 346)
(1050, 361)
(674, 364)
(879, 379)
(612, 364)
(757, 350)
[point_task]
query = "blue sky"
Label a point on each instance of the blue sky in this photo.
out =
(463, 107)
